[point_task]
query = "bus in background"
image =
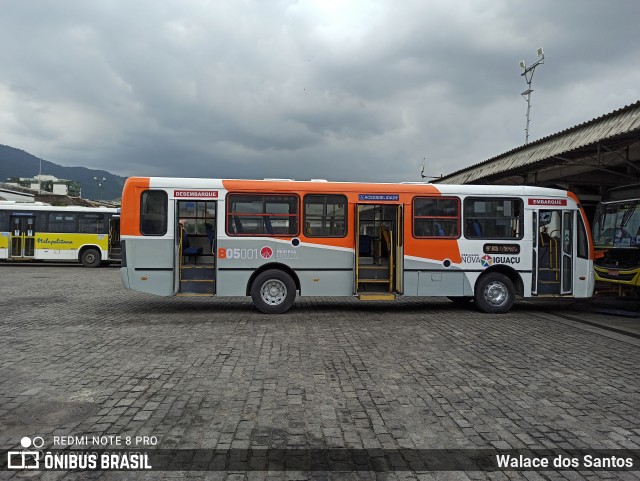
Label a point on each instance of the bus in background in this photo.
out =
(616, 236)
(40, 232)
(274, 239)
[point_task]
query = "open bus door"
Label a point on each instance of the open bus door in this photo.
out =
(115, 249)
(356, 252)
(566, 274)
(399, 250)
(554, 252)
(379, 251)
(194, 248)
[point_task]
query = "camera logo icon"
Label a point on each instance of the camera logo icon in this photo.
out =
(25, 458)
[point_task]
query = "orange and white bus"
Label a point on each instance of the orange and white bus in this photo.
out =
(274, 239)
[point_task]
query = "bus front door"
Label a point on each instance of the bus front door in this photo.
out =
(553, 250)
(566, 267)
(23, 240)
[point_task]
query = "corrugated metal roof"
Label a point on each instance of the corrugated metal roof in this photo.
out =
(621, 121)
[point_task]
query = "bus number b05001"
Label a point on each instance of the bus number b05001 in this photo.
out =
(235, 253)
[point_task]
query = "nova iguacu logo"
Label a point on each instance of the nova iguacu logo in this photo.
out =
(487, 260)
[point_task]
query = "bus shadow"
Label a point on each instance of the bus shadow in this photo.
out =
(38, 264)
(310, 306)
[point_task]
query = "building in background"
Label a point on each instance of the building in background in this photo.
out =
(13, 193)
(48, 183)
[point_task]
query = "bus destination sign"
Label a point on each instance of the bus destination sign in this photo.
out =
(547, 201)
(379, 197)
(501, 249)
(195, 194)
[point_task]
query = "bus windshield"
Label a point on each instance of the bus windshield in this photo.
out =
(617, 224)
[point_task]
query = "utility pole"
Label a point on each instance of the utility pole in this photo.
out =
(528, 76)
(40, 177)
(100, 185)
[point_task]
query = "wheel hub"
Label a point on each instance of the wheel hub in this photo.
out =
(273, 292)
(496, 293)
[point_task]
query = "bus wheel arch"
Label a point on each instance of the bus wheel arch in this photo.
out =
(273, 291)
(90, 256)
(496, 289)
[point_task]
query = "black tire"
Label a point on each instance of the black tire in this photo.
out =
(462, 300)
(273, 292)
(495, 293)
(91, 257)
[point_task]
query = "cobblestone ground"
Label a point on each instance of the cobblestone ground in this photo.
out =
(82, 356)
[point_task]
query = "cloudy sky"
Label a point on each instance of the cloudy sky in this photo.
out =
(338, 89)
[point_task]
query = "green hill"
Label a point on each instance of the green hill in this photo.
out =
(18, 163)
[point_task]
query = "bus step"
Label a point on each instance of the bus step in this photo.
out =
(115, 253)
(548, 289)
(379, 296)
(204, 287)
(373, 272)
(197, 273)
(549, 276)
(367, 281)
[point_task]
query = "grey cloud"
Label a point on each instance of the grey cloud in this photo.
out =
(342, 90)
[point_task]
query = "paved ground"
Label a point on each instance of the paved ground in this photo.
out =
(81, 356)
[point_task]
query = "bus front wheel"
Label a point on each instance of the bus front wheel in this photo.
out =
(494, 293)
(273, 292)
(91, 258)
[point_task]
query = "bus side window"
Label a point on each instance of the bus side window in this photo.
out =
(325, 215)
(153, 217)
(436, 217)
(254, 214)
(493, 218)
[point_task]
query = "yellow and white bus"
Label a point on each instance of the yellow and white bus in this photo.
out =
(275, 239)
(42, 232)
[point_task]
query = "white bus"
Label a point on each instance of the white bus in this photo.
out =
(90, 235)
(275, 239)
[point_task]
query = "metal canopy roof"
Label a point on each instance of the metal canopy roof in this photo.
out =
(575, 147)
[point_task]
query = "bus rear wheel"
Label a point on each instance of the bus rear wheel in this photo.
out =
(91, 258)
(494, 293)
(273, 292)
